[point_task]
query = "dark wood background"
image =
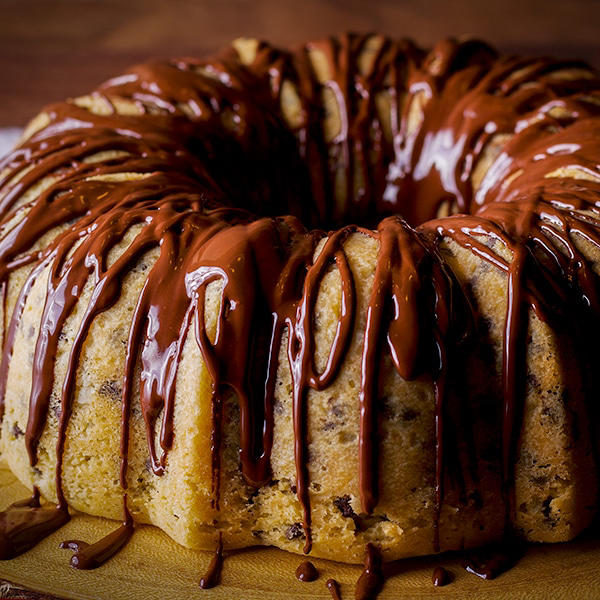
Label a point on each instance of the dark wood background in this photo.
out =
(51, 49)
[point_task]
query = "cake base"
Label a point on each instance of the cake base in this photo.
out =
(152, 566)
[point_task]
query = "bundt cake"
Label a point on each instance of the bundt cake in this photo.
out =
(316, 299)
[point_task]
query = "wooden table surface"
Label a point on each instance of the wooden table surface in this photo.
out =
(51, 49)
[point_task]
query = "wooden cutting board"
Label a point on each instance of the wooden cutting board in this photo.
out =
(152, 566)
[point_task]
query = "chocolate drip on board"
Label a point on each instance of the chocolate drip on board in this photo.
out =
(334, 589)
(199, 220)
(306, 571)
(491, 562)
(371, 580)
(26, 523)
(213, 573)
(440, 577)
(91, 556)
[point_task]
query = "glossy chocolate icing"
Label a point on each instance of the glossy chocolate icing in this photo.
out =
(334, 589)
(212, 576)
(370, 582)
(440, 577)
(24, 524)
(306, 571)
(490, 562)
(213, 221)
(90, 556)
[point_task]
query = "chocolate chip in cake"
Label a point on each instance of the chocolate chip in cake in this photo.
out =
(16, 430)
(546, 508)
(294, 531)
(278, 408)
(550, 517)
(343, 505)
(55, 407)
(111, 389)
(395, 412)
(252, 494)
(551, 413)
(533, 382)
(407, 414)
(334, 407)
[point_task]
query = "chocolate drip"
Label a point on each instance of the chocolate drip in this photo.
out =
(371, 580)
(334, 589)
(92, 556)
(408, 158)
(489, 563)
(301, 355)
(440, 577)
(26, 523)
(408, 275)
(213, 573)
(306, 571)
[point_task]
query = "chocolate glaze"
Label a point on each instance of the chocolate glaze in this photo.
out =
(213, 573)
(492, 561)
(371, 580)
(334, 589)
(306, 571)
(198, 118)
(91, 556)
(26, 523)
(440, 577)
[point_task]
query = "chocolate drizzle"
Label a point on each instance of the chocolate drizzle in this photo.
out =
(213, 573)
(402, 162)
(490, 562)
(370, 582)
(91, 556)
(306, 571)
(334, 589)
(405, 262)
(24, 524)
(440, 577)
